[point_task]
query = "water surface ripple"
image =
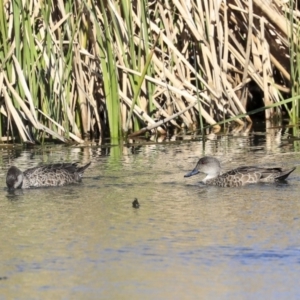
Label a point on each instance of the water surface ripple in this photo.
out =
(186, 241)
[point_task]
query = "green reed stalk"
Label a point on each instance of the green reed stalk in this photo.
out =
(109, 72)
(147, 41)
(295, 72)
(17, 12)
(139, 84)
(133, 60)
(48, 66)
(135, 52)
(3, 48)
(294, 62)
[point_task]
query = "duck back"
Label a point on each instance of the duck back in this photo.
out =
(53, 175)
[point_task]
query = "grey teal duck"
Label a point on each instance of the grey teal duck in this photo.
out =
(236, 177)
(47, 175)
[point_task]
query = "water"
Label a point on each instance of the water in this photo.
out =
(186, 241)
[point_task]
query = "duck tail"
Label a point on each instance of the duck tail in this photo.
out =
(284, 175)
(81, 170)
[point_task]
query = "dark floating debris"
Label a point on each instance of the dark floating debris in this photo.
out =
(3, 277)
(135, 203)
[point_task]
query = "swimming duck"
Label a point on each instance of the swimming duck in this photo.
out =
(47, 175)
(237, 177)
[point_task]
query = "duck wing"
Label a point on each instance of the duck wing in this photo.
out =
(262, 174)
(70, 168)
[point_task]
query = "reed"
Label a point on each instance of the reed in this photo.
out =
(78, 70)
(294, 42)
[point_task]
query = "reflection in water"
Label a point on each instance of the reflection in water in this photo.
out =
(186, 241)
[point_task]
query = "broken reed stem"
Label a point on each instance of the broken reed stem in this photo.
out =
(78, 74)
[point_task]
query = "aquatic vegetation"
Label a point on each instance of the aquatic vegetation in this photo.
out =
(86, 70)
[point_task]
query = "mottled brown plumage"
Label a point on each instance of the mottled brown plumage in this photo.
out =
(237, 177)
(47, 175)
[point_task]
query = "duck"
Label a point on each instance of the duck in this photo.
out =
(236, 177)
(57, 174)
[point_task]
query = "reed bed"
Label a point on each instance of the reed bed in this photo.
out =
(76, 70)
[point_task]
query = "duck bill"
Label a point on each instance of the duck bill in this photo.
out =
(10, 189)
(192, 173)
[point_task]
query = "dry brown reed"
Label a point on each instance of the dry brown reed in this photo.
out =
(77, 70)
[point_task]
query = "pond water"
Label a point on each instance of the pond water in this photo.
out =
(186, 241)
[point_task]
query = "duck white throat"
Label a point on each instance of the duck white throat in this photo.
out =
(210, 176)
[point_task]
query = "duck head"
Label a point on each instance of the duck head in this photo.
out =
(14, 178)
(207, 165)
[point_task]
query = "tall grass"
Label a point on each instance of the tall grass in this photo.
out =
(294, 42)
(77, 70)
